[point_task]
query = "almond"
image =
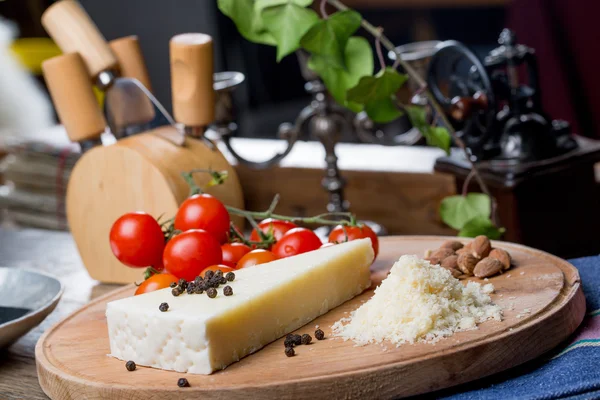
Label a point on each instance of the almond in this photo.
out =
(452, 244)
(450, 262)
(465, 249)
(467, 262)
(481, 247)
(433, 260)
(487, 267)
(455, 273)
(442, 253)
(502, 256)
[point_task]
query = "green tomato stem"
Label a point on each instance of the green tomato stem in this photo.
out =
(317, 219)
(262, 244)
(252, 216)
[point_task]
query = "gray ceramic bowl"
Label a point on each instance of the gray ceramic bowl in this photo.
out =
(26, 298)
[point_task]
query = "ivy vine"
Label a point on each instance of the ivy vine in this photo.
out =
(345, 64)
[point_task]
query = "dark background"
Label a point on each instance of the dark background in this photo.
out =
(273, 93)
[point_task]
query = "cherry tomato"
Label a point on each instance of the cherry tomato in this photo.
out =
(137, 240)
(188, 253)
(233, 252)
(155, 282)
(255, 257)
(337, 235)
(203, 211)
(220, 267)
(296, 241)
(274, 226)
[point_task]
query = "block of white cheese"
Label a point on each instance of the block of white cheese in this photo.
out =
(201, 335)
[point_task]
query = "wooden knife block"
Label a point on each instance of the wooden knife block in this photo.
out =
(138, 173)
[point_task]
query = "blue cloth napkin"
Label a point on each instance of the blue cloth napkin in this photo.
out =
(569, 372)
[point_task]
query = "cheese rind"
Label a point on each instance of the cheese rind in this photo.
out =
(200, 335)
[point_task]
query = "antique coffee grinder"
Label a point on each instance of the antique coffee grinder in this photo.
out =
(541, 175)
(495, 105)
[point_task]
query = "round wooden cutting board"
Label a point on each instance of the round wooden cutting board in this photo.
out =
(541, 297)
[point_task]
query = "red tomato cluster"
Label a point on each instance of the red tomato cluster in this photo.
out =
(137, 240)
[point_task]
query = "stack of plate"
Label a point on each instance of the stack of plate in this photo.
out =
(36, 176)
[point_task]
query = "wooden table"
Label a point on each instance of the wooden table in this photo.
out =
(54, 253)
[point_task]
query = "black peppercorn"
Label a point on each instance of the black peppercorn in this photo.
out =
(191, 288)
(182, 382)
(223, 281)
(219, 274)
(297, 340)
(163, 307)
(173, 284)
(130, 365)
(183, 284)
(176, 291)
(198, 289)
(227, 290)
(211, 284)
(288, 342)
(306, 338)
(198, 280)
(209, 274)
(230, 276)
(289, 351)
(212, 293)
(319, 334)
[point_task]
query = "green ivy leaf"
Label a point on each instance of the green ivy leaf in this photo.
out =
(481, 226)
(418, 117)
(438, 136)
(383, 111)
(456, 211)
(434, 135)
(247, 20)
(328, 37)
(377, 93)
(358, 58)
(288, 23)
(379, 87)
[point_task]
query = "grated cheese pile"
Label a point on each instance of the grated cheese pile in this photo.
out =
(418, 301)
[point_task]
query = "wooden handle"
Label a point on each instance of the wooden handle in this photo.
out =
(463, 107)
(130, 58)
(73, 30)
(71, 90)
(192, 79)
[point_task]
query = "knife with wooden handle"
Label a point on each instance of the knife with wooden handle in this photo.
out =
(191, 56)
(74, 31)
(130, 59)
(71, 90)
(129, 107)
